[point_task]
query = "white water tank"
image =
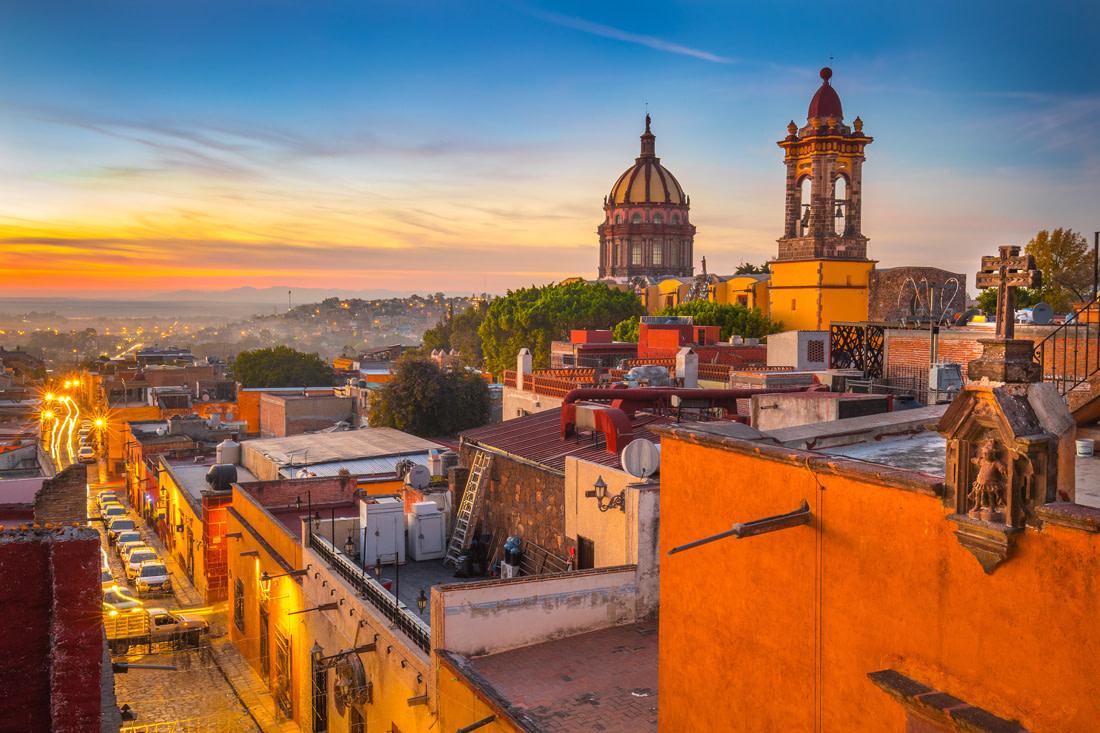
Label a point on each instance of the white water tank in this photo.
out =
(228, 451)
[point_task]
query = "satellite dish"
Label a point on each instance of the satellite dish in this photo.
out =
(1042, 314)
(641, 458)
(418, 477)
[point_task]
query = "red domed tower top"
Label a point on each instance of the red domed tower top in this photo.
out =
(826, 103)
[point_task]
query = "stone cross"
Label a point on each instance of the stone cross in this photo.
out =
(1006, 273)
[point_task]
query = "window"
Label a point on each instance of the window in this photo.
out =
(675, 218)
(618, 218)
(265, 646)
(238, 605)
(320, 694)
(794, 304)
(636, 219)
(658, 219)
(282, 673)
(658, 251)
(815, 351)
(636, 254)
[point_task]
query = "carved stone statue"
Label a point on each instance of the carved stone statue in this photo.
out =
(988, 490)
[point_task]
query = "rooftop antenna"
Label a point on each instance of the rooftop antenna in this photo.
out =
(289, 307)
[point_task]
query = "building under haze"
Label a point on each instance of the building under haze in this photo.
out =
(645, 231)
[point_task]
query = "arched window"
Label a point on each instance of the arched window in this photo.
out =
(658, 219)
(804, 206)
(636, 219)
(618, 218)
(840, 200)
(675, 218)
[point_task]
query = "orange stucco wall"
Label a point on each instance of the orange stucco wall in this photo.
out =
(779, 631)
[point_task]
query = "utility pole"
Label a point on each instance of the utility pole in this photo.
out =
(1096, 266)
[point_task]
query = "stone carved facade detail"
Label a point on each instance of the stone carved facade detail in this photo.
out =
(1001, 465)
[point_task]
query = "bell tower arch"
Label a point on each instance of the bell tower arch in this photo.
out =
(822, 271)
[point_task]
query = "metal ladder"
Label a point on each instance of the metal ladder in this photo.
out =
(460, 537)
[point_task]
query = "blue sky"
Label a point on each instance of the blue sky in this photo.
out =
(446, 146)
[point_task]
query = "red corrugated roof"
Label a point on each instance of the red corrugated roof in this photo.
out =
(537, 438)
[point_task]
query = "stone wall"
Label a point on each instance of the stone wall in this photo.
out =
(63, 498)
(887, 285)
(523, 500)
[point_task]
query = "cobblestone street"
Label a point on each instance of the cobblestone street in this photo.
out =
(205, 691)
(195, 697)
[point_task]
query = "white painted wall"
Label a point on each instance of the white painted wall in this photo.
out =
(497, 615)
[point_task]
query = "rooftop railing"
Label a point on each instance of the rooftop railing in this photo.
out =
(373, 591)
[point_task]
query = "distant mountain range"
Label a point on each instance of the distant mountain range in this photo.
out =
(278, 295)
(235, 302)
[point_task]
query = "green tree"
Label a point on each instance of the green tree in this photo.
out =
(627, 330)
(1063, 258)
(1025, 298)
(534, 317)
(746, 268)
(733, 318)
(280, 366)
(458, 332)
(424, 400)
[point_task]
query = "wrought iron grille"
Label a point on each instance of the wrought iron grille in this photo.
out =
(857, 346)
(1070, 355)
(370, 589)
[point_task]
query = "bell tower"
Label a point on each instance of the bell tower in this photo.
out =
(822, 271)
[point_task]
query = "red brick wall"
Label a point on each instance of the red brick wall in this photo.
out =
(272, 416)
(284, 492)
(51, 663)
(911, 349)
(215, 560)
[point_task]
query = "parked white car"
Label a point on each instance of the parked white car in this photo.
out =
(136, 558)
(152, 576)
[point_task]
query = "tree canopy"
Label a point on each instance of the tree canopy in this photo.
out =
(280, 366)
(733, 318)
(1063, 257)
(1025, 298)
(747, 268)
(424, 400)
(458, 333)
(536, 316)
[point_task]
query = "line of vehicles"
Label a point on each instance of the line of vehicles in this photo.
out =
(128, 622)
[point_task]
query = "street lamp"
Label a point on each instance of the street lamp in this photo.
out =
(421, 601)
(599, 493)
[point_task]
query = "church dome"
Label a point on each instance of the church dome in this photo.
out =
(826, 103)
(647, 181)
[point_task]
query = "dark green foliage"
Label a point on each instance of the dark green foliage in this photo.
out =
(1025, 298)
(734, 318)
(749, 269)
(534, 317)
(281, 366)
(424, 400)
(458, 332)
(627, 330)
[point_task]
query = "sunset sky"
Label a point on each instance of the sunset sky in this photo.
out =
(419, 146)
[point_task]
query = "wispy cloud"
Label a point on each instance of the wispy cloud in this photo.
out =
(607, 31)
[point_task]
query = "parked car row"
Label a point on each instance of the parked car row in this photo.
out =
(143, 567)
